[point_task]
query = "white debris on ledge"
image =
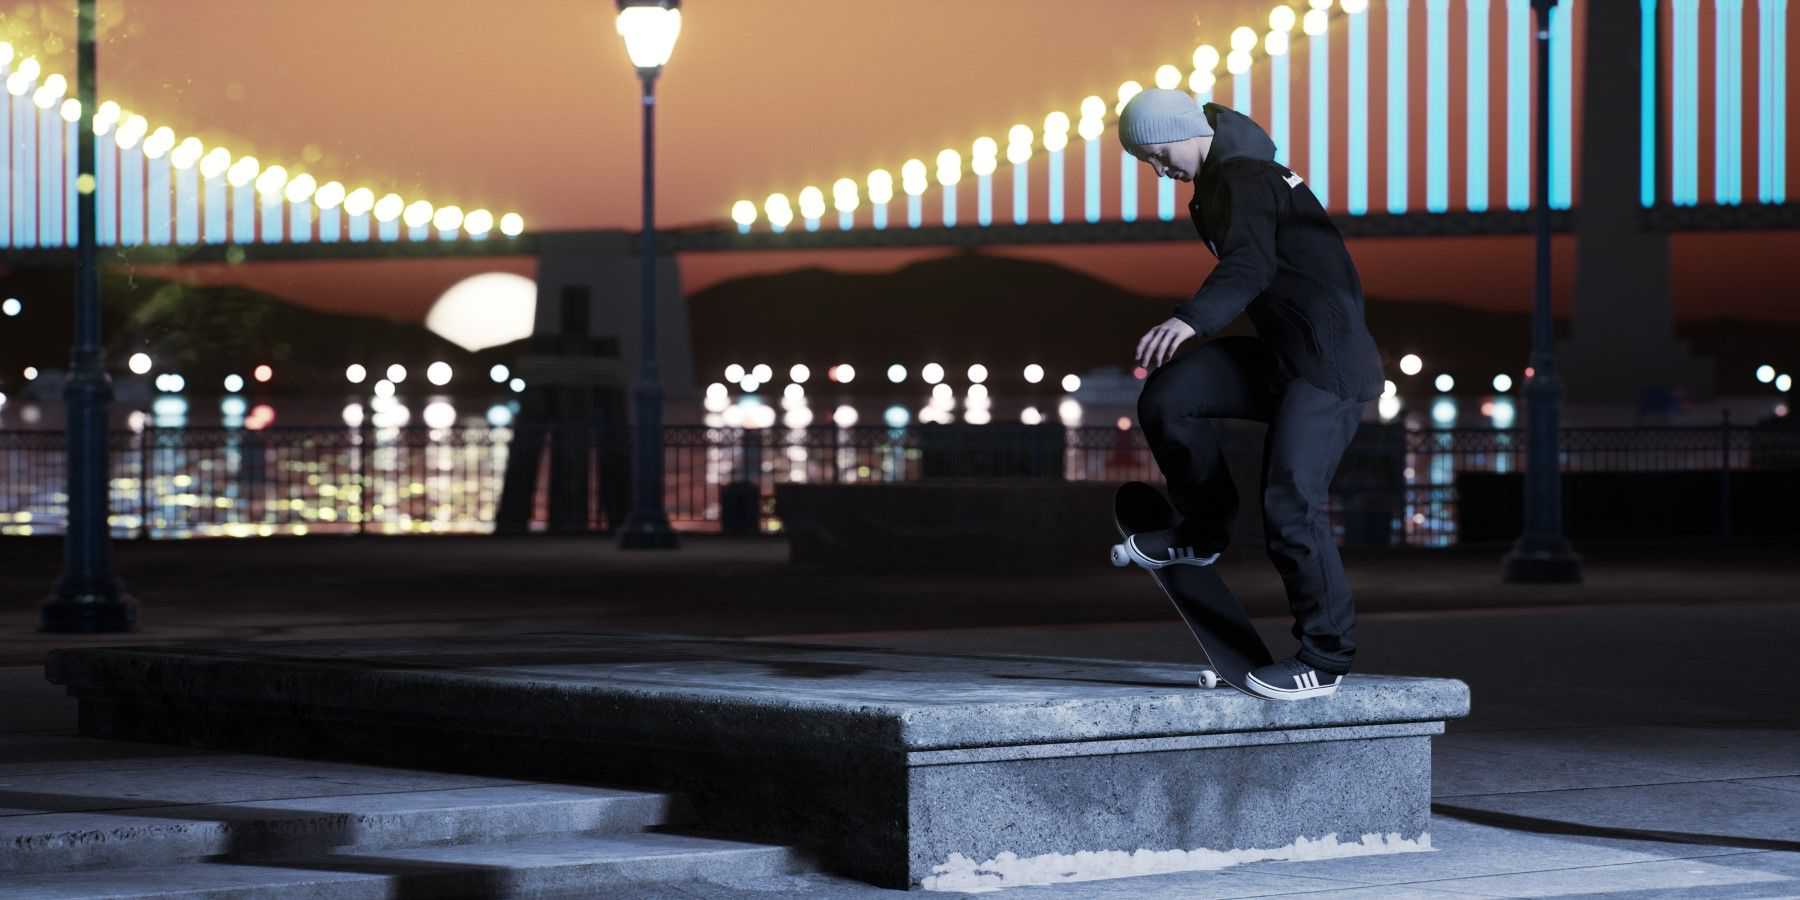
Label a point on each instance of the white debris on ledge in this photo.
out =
(961, 873)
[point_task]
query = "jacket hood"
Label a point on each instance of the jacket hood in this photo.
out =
(1234, 135)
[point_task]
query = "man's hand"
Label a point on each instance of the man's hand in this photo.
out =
(1159, 343)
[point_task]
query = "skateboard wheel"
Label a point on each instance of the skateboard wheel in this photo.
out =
(1120, 559)
(1209, 679)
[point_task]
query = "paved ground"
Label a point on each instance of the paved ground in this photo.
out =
(1635, 736)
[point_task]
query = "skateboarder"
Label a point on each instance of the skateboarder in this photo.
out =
(1307, 373)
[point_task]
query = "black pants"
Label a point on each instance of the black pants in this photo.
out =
(1238, 378)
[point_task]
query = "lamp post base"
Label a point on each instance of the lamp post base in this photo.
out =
(1541, 562)
(108, 610)
(647, 532)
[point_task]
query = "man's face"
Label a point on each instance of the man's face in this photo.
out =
(1179, 160)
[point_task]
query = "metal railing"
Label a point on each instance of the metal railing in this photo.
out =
(1393, 485)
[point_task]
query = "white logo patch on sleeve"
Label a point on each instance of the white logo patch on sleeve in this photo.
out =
(1292, 180)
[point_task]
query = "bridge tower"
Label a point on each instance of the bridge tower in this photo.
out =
(1622, 334)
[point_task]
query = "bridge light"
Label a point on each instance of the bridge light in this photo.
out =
(843, 195)
(447, 218)
(1034, 373)
(269, 183)
(1019, 134)
(330, 194)
(1411, 364)
(912, 177)
(1318, 21)
(778, 210)
(984, 146)
(1054, 123)
(743, 212)
(1018, 145)
(388, 208)
(512, 224)
(1202, 82)
(187, 154)
(1281, 18)
(1127, 91)
(30, 68)
(949, 168)
(1275, 43)
(132, 131)
(240, 174)
(1055, 141)
(1243, 39)
(1093, 107)
(301, 188)
(71, 110)
(1238, 62)
(1090, 129)
(1355, 7)
(1765, 373)
(1168, 77)
(417, 214)
(6, 53)
(982, 161)
(881, 186)
(359, 201)
(1320, 5)
(216, 161)
(478, 223)
(1206, 58)
(105, 117)
(160, 142)
(17, 84)
(812, 202)
(52, 92)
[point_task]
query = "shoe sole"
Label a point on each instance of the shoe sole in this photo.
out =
(1138, 557)
(1268, 691)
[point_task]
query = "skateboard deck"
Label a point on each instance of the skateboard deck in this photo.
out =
(1214, 615)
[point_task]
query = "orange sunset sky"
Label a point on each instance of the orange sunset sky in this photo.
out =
(531, 106)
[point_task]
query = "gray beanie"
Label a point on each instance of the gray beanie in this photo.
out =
(1159, 116)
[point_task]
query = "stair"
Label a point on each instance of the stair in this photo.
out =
(499, 839)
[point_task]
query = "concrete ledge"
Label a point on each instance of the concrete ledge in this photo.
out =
(903, 769)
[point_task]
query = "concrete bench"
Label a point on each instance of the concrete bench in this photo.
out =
(903, 769)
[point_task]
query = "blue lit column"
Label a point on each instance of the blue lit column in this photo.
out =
(1728, 111)
(880, 184)
(357, 205)
(131, 180)
(106, 153)
(1772, 102)
(845, 201)
(24, 158)
(1056, 140)
(417, 219)
(387, 217)
(1275, 44)
(71, 116)
(1437, 103)
(49, 179)
(1243, 40)
(156, 196)
(1766, 77)
(330, 201)
(6, 129)
(242, 176)
(1397, 109)
(1518, 104)
(1684, 138)
(1477, 50)
(1357, 164)
(1018, 152)
(1647, 133)
(187, 191)
(912, 181)
(213, 168)
(949, 172)
(982, 162)
(299, 198)
(1318, 104)
(1093, 109)
(268, 191)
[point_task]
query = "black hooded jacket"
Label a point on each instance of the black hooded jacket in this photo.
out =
(1281, 260)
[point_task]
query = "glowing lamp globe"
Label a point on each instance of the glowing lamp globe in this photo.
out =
(650, 28)
(485, 310)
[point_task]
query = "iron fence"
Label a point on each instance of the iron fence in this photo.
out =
(1394, 484)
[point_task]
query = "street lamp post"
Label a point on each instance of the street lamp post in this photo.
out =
(650, 28)
(87, 598)
(1542, 553)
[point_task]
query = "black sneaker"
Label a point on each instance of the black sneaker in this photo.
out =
(1156, 549)
(1291, 679)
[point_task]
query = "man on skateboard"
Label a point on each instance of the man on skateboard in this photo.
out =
(1307, 373)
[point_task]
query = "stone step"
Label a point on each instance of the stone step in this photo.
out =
(156, 835)
(542, 866)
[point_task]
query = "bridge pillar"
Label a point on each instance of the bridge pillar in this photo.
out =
(579, 366)
(1622, 338)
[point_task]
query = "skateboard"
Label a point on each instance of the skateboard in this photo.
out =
(1217, 619)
